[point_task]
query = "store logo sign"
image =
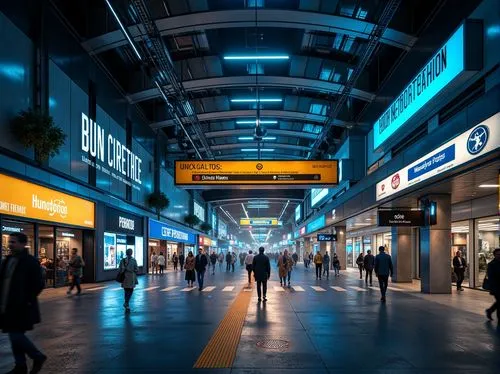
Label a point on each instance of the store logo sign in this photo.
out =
(126, 223)
(395, 181)
(53, 207)
(477, 140)
(168, 232)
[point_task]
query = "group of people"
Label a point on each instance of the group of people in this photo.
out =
(366, 264)
(159, 262)
(322, 264)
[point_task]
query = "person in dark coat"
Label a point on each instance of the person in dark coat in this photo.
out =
(261, 271)
(383, 269)
(181, 260)
(20, 284)
(200, 265)
(369, 264)
(229, 259)
(459, 265)
(494, 284)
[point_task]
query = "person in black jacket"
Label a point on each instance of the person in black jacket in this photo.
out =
(181, 260)
(369, 264)
(494, 284)
(261, 271)
(20, 283)
(200, 265)
(459, 265)
(229, 259)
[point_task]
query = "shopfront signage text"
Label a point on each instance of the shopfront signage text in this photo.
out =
(126, 223)
(120, 222)
(401, 217)
(260, 222)
(12, 229)
(24, 199)
(481, 139)
(317, 224)
(162, 231)
(109, 152)
(327, 238)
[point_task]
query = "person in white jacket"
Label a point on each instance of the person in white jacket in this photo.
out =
(249, 265)
(161, 262)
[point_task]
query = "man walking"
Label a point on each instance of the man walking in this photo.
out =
(20, 284)
(494, 284)
(383, 269)
(262, 271)
(213, 261)
(154, 263)
(459, 265)
(318, 261)
(369, 264)
(200, 265)
(326, 265)
(249, 265)
(76, 265)
(229, 258)
(181, 260)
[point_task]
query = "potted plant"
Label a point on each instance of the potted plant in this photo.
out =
(34, 128)
(206, 227)
(158, 201)
(191, 220)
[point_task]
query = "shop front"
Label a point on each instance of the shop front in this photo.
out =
(204, 242)
(122, 231)
(168, 240)
(54, 223)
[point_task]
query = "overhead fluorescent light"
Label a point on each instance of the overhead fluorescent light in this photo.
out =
(489, 185)
(262, 206)
(245, 137)
(268, 100)
(257, 57)
(256, 150)
(125, 32)
(254, 122)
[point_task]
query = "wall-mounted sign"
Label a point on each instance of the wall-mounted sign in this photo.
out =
(112, 157)
(23, 199)
(199, 211)
(162, 231)
(199, 174)
(204, 241)
(317, 195)
(11, 229)
(401, 217)
(327, 238)
(317, 224)
(473, 143)
(302, 231)
(298, 213)
(260, 222)
(121, 222)
(445, 66)
(222, 231)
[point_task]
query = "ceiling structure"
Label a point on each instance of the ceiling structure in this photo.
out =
(312, 67)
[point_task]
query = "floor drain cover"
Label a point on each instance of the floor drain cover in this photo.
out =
(273, 344)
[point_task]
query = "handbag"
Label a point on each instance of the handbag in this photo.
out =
(486, 283)
(120, 277)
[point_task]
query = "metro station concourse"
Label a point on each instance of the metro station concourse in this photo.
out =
(250, 186)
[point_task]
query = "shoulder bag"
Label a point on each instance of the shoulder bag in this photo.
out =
(120, 277)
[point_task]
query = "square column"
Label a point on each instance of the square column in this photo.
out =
(435, 244)
(340, 249)
(401, 254)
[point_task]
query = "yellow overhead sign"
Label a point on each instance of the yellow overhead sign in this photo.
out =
(195, 174)
(23, 199)
(260, 222)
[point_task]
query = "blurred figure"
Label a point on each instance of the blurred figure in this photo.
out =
(128, 266)
(285, 265)
(326, 265)
(221, 261)
(336, 264)
(20, 284)
(200, 265)
(161, 262)
(249, 265)
(493, 274)
(229, 259)
(76, 265)
(262, 272)
(383, 269)
(154, 262)
(233, 261)
(318, 261)
(175, 260)
(459, 265)
(295, 258)
(189, 266)
(369, 264)
(360, 262)
(181, 260)
(213, 261)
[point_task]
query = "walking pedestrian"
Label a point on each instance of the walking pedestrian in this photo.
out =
(249, 265)
(221, 261)
(20, 284)
(200, 266)
(310, 259)
(189, 267)
(229, 258)
(128, 266)
(306, 259)
(360, 261)
(318, 262)
(493, 274)
(181, 260)
(175, 260)
(161, 262)
(262, 272)
(154, 262)
(459, 265)
(383, 269)
(76, 265)
(295, 258)
(326, 265)
(369, 264)
(336, 264)
(213, 261)
(285, 264)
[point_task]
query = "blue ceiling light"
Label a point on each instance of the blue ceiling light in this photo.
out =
(258, 57)
(256, 150)
(268, 100)
(254, 122)
(252, 138)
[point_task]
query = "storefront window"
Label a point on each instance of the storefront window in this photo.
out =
(9, 227)
(349, 251)
(460, 239)
(46, 254)
(488, 232)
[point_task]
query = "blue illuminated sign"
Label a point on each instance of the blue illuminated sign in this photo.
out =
(318, 194)
(477, 140)
(432, 162)
(439, 71)
(298, 213)
(162, 231)
(317, 224)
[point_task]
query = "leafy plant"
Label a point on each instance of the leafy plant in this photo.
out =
(34, 128)
(191, 220)
(206, 227)
(158, 201)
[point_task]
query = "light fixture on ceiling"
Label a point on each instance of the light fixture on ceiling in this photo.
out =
(254, 122)
(263, 100)
(257, 57)
(489, 185)
(124, 30)
(256, 150)
(252, 138)
(261, 206)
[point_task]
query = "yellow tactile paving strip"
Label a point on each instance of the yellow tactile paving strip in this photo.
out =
(221, 349)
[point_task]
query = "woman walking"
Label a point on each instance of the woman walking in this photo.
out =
(161, 262)
(128, 266)
(189, 267)
(326, 265)
(336, 264)
(285, 264)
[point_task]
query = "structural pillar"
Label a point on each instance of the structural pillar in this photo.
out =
(307, 246)
(401, 254)
(340, 249)
(435, 244)
(323, 247)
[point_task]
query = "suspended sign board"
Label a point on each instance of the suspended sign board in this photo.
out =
(258, 173)
(327, 237)
(260, 222)
(401, 217)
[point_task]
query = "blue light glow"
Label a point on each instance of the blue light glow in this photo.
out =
(52, 102)
(13, 72)
(256, 150)
(258, 57)
(255, 100)
(254, 122)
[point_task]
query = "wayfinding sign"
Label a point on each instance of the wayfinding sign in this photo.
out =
(327, 237)
(260, 222)
(401, 217)
(200, 174)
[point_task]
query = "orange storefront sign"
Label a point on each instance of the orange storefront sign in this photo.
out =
(29, 200)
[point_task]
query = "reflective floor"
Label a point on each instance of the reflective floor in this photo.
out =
(334, 326)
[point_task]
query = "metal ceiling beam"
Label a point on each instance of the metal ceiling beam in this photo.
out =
(221, 147)
(221, 196)
(276, 18)
(264, 156)
(230, 115)
(249, 81)
(251, 131)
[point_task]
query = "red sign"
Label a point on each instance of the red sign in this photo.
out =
(395, 181)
